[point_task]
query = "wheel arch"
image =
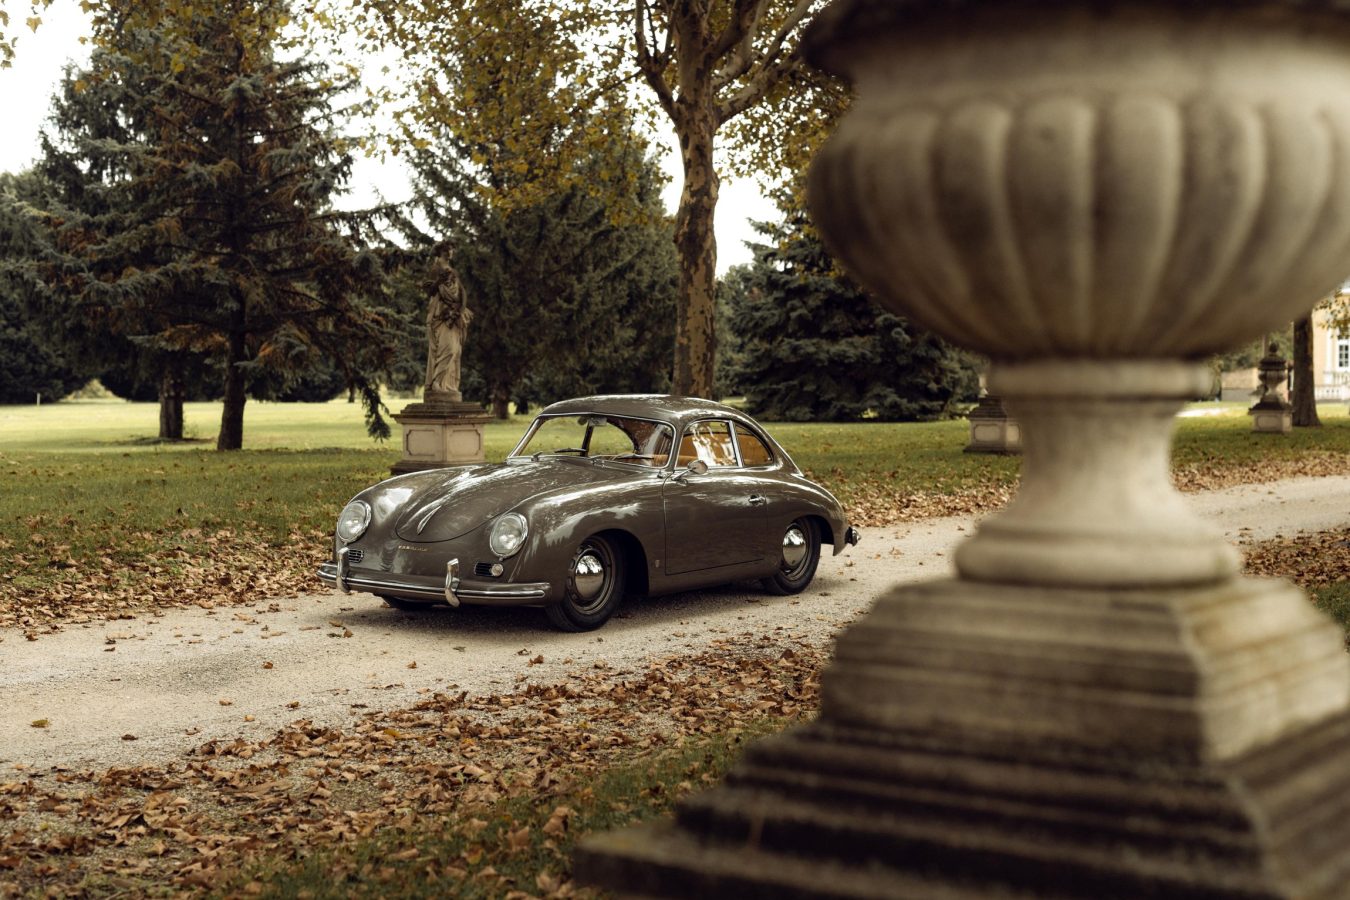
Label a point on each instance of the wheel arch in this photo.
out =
(823, 528)
(634, 558)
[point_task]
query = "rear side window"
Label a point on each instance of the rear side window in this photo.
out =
(710, 442)
(754, 452)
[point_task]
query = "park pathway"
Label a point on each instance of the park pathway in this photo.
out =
(144, 690)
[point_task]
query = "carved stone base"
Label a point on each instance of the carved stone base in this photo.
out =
(992, 430)
(829, 812)
(992, 741)
(440, 433)
(1272, 418)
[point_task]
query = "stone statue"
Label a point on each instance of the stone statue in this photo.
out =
(448, 317)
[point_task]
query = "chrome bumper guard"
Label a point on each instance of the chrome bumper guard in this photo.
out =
(452, 582)
(344, 567)
(852, 536)
(452, 591)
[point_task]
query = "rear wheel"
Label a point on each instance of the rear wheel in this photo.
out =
(800, 556)
(406, 605)
(594, 587)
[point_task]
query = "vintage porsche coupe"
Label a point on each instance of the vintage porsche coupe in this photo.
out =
(603, 497)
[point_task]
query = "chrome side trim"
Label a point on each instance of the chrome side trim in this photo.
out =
(343, 570)
(524, 592)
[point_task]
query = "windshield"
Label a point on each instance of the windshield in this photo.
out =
(615, 438)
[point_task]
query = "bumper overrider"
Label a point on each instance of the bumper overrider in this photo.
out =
(452, 589)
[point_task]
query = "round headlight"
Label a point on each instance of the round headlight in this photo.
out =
(353, 521)
(508, 534)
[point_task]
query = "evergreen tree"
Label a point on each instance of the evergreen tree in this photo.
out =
(570, 295)
(209, 229)
(813, 346)
(30, 363)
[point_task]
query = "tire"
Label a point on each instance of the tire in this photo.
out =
(590, 601)
(801, 555)
(406, 605)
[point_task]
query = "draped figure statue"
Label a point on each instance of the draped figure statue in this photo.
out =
(448, 317)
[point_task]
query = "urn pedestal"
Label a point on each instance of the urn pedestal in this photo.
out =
(1272, 413)
(992, 430)
(440, 431)
(1095, 194)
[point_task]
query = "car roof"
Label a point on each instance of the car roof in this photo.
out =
(662, 407)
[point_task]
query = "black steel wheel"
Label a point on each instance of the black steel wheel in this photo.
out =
(800, 556)
(594, 587)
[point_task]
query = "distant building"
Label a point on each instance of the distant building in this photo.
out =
(1331, 359)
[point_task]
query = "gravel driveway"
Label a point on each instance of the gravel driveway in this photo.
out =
(140, 691)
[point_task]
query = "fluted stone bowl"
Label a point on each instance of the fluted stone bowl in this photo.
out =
(1089, 179)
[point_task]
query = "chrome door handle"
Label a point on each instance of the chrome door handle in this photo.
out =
(757, 500)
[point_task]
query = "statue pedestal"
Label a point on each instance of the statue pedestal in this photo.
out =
(439, 432)
(990, 741)
(1272, 416)
(992, 430)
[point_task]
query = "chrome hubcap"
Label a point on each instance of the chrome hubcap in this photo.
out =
(794, 547)
(588, 575)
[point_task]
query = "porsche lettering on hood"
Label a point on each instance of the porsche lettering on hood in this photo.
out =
(461, 500)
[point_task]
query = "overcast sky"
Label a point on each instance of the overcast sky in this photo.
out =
(28, 86)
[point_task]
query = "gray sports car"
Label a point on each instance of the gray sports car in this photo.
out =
(603, 497)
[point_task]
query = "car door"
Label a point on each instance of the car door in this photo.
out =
(716, 519)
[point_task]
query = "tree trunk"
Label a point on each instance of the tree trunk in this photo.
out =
(1303, 397)
(232, 417)
(501, 403)
(171, 403)
(696, 244)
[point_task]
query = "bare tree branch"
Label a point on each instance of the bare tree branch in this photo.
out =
(740, 31)
(653, 66)
(764, 81)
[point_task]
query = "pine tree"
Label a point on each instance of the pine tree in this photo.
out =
(217, 235)
(31, 364)
(570, 294)
(813, 346)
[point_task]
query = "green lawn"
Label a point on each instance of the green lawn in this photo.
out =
(92, 504)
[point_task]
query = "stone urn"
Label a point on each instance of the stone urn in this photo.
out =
(1062, 188)
(1272, 414)
(1097, 195)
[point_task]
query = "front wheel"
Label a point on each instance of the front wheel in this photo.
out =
(594, 587)
(800, 556)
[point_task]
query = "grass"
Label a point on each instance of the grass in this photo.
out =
(90, 499)
(1334, 600)
(512, 846)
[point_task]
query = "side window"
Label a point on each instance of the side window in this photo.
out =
(710, 442)
(753, 451)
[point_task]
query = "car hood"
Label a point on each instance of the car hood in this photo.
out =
(448, 503)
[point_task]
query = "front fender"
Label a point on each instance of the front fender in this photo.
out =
(558, 525)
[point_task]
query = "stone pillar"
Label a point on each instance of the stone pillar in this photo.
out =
(440, 431)
(992, 430)
(1094, 194)
(1272, 413)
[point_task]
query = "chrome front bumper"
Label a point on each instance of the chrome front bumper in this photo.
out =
(452, 590)
(852, 536)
